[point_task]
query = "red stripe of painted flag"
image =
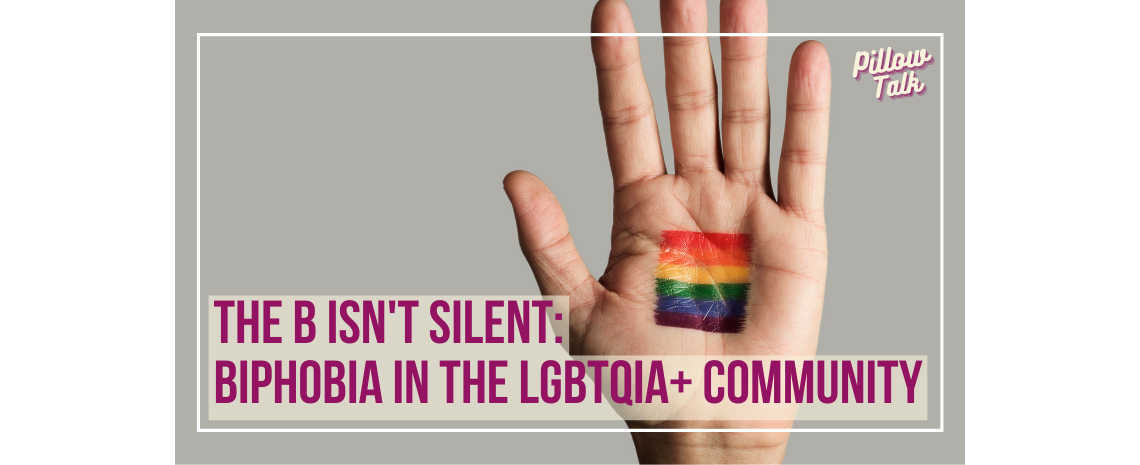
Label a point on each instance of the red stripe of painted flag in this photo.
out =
(688, 239)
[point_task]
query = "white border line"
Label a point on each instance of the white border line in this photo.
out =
(198, 222)
(565, 430)
(564, 34)
(941, 237)
(941, 233)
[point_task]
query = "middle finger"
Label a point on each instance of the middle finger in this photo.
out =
(690, 87)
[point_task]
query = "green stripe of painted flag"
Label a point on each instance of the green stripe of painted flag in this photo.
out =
(727, 291)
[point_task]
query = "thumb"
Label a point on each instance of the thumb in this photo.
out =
(545, 239)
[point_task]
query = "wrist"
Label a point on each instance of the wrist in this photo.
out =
(667, 447)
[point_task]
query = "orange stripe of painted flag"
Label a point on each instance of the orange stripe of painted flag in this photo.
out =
(705, 257)
(696, 240)
(704, 275)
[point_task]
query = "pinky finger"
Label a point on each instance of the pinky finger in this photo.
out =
(803, 160)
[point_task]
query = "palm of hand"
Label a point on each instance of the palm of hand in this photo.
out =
(789, 265)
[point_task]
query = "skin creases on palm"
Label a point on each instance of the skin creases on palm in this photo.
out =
(786, 282)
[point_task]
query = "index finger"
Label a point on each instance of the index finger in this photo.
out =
(630, 125)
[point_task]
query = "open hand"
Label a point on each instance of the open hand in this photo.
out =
(769, 300)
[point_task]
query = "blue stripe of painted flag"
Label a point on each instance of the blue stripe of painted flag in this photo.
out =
(715, 308)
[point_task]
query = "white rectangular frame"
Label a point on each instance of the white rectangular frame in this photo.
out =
(941, 236)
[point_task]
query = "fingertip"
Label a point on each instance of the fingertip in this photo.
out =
(811, 56)
(812, 46)
(810, 70)
(515, 177)
(519, 182)
(611, 16)
(524, 187)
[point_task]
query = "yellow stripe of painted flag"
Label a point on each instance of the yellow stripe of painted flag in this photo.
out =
(704, 275)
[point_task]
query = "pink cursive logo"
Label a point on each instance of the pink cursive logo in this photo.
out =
(882, 64)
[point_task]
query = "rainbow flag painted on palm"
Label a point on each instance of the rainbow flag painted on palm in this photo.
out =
(702, 280)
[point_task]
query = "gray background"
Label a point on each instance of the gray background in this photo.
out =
(318, 153)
